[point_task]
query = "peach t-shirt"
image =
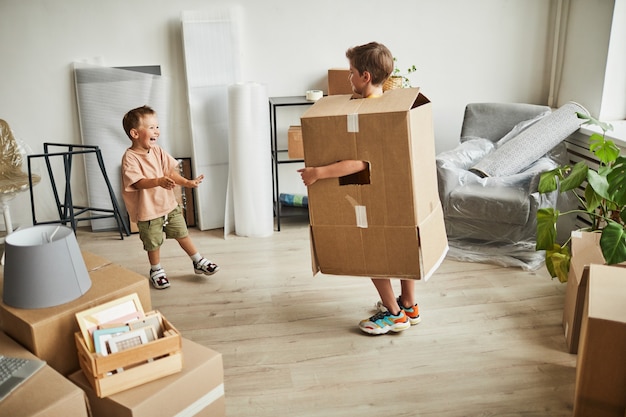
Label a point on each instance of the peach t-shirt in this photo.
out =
(149, 203)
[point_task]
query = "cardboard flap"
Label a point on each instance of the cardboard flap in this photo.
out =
(315, 267)
(433, 242)
(396, 100)
(607, 293)
(586, 249)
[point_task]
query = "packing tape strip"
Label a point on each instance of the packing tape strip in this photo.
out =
(314, 95)
(360, 212)
(353, 122)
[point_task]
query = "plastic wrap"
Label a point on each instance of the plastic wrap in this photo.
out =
(493, 219)
(250, 175)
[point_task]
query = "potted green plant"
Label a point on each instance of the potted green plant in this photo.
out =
(397, 78)
(604, 202)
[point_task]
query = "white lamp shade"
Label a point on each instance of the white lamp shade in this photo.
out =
(43, 267)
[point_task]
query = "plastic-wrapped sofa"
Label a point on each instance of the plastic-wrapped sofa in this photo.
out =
(488, 183)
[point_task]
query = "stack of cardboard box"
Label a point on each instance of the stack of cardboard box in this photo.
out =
(49, 334)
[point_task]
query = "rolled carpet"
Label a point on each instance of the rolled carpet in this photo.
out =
(531, 144)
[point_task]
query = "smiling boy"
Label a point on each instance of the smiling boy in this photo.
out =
(149, 175)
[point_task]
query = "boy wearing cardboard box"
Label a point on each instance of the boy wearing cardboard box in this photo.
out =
(370, 65)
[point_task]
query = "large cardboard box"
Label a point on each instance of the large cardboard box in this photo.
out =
(198, 390)
(45, 394)
(601, 368)
(49, 332)
(386, 221)
(585, 248)
(339, 81)
(585, 251)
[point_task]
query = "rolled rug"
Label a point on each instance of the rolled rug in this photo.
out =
(531, 144)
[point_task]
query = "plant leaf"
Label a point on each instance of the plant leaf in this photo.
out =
(558, 262)
(605, 150)
(592, 199)
(546, 228)
(599, 183)
(613, 243)
(576, 177)
(617, 181)
(589, 120)
(583, 116)
(547, 180)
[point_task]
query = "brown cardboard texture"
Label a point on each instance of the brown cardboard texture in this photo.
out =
(339, 81)
(386, 221)
(93, 261)
(294, 142)
(198, 390)
(601, 368)
(585, 251)
(45, 394)
(49, 332)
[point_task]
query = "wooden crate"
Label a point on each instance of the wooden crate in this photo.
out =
(140, 364)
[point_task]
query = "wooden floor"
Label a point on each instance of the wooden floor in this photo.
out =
(490, 342)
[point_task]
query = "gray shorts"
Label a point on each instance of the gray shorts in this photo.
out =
(151, 231)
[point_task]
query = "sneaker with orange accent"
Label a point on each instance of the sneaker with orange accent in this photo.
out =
(413, 313)
(384, 322)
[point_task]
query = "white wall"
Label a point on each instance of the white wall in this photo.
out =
(465, 51)
(594, 63)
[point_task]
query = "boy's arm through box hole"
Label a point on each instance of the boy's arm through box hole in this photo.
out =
(358, 178)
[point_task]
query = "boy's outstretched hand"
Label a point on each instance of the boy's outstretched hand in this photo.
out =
(195, 182)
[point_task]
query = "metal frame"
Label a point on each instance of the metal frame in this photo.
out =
(274, 103)
(68, 212)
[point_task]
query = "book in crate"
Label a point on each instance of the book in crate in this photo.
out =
(120, 346)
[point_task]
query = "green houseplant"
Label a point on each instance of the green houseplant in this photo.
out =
(398, 79)
(604, 202)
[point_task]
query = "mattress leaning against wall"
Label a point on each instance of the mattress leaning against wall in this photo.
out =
(211, 52)
(104, 95)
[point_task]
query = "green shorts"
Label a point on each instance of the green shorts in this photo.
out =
(151, 231)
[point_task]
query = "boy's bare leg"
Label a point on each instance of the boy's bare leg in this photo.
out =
(407, 296)
(154, 256)
(385, 291)
(187, 244)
